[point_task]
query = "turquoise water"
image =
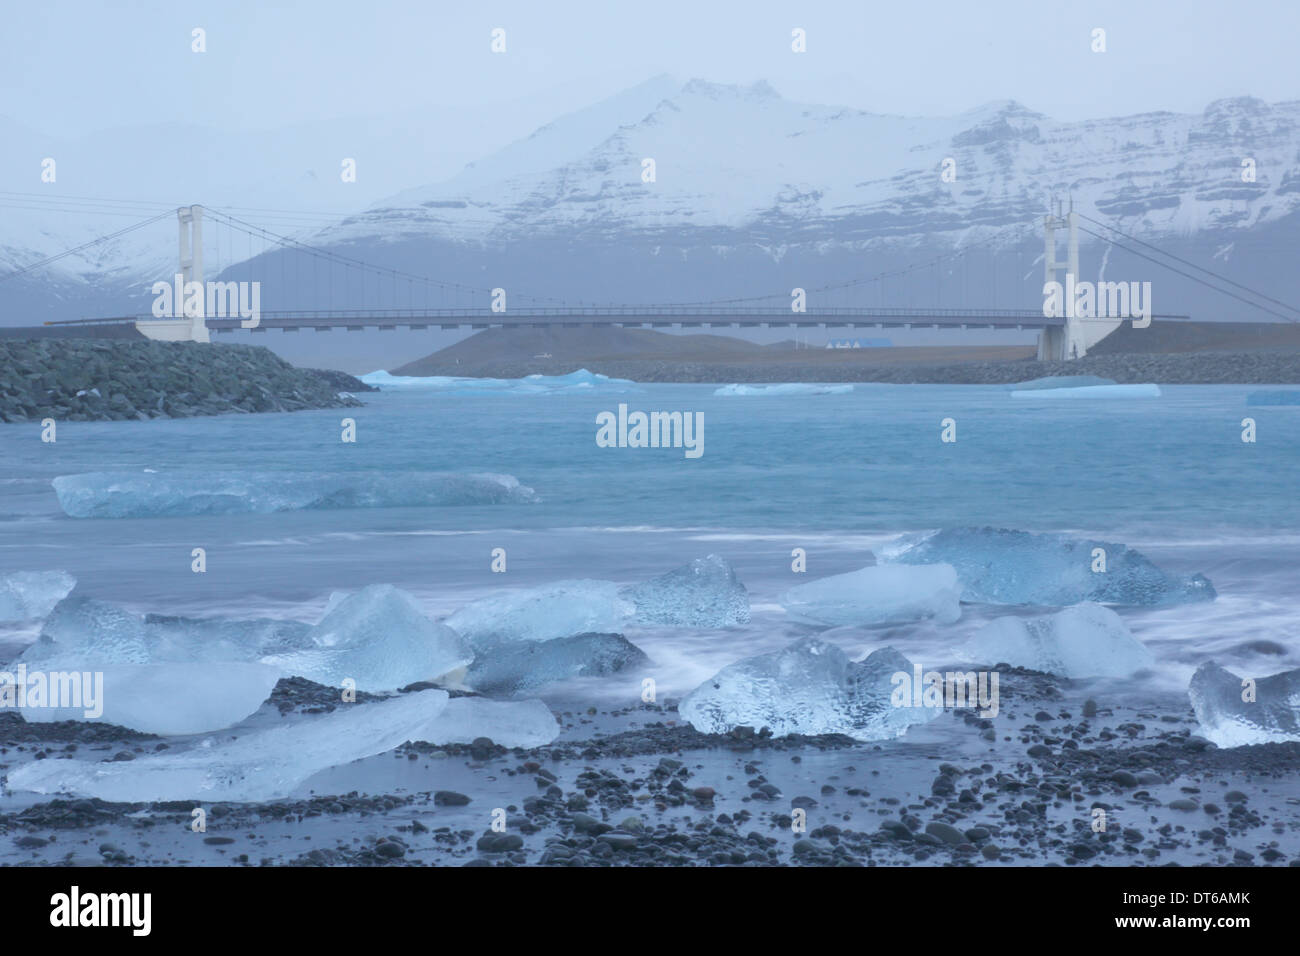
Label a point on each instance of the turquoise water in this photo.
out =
(836, 474)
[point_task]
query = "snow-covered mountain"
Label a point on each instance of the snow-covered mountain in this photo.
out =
(753, 193)
(743, 158)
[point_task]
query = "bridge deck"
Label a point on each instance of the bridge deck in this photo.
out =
(645, 317)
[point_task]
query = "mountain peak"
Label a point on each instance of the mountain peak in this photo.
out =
(759, 90)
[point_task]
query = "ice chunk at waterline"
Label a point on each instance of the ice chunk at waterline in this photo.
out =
(1233, 712)
(539, 614)
(378, 637)
(784, 390)
(1059, 381)
(89, 632)
(1087, 640)
(259, 765)
(1092, 391)
(878, 595)
(25, 595)
(508, 667)
(510, 723)
(150, 495)
(704, 593)
(810, 687)
(163, 698)
(1016, 567)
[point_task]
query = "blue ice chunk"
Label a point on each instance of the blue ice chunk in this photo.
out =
(879, 594)
(151, 495)
(27, 595)
(997, 566)
(508, 667)
(378, 637)
(704, 593)
(1086, 640)
(1269, 712)
(539, 614)
(810, 687)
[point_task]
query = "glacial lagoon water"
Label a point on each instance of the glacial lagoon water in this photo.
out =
(438, 478)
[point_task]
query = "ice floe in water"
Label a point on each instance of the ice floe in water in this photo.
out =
(158, 698)
(1269, 714)
(153, 494)
(1016, 567)
(810, 687)
(579, 381)
(539, 614)
(1087, 640)
(790, 388)
(508, 667)
(881, 594)
(264, 764)
(1273, 398)
(380, 638)
(1091, 391)
(1059, 381)
(26, 595)
(704, 593)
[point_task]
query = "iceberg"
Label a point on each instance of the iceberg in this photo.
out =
(1270, 715)
(380, 638)
(1059, 381)
(704, 593)
(577, 381)
(1016, 567)
(171, 699)
(880, 594)
(510, 723)
(1092, 391)
(1087, 640)
(152, 495)
(508, 667)
(1273, 398)
(543, 613)
(792, 388)
(26, 595)
(259, 765)
(810, 687)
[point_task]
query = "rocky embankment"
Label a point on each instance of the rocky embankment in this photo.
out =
(1198, 368)
(102, 380)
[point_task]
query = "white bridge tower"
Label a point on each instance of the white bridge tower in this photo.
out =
(186, 328)
(1070, 341)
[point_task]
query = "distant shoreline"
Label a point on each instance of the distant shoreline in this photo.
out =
(1186, 368)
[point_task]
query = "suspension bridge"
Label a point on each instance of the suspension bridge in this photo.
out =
(452, 305)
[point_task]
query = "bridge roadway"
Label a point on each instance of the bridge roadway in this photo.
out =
(626, 316)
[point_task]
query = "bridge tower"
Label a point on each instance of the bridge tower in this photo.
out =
(1072, 340)
(1059, 343)
(189, 328)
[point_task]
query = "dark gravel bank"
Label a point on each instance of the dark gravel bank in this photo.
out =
(1197, 368)
(106, 380)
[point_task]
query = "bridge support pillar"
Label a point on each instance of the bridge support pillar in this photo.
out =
(190, 328)
(1070, 341)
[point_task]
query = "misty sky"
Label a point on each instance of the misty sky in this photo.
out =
(70, 67)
